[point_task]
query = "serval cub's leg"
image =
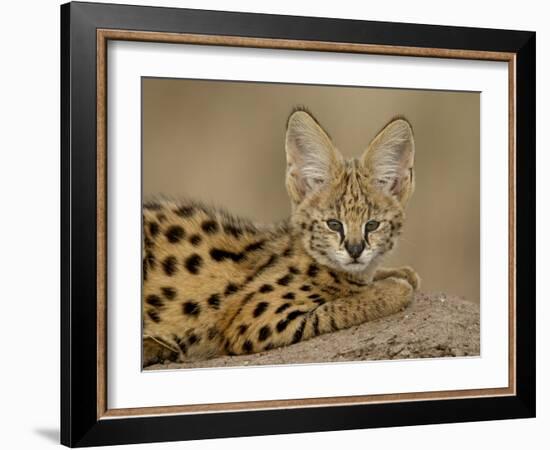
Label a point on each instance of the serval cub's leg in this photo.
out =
(285, 323)
(405, 272)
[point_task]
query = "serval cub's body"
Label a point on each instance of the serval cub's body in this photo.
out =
(218, 285)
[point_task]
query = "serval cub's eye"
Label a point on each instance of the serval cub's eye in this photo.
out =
(335, 225)
(371, 225)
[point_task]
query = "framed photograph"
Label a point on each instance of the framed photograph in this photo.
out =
(277, 224)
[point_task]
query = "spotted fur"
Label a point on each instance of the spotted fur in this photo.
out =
(214, 284)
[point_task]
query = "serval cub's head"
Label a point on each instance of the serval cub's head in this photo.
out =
(348, 212)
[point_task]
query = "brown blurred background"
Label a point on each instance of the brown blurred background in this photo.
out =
(223, 143)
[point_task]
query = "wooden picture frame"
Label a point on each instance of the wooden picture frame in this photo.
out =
(86, 418)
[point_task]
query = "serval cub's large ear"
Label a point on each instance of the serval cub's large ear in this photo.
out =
(312, 160)
(389, 160)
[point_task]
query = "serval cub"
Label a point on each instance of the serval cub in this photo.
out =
(217, 285)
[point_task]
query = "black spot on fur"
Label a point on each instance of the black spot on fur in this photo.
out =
(193, 263)
(329, 289)
(181, 345)
(293, 270)
(193, 339)
(314, 296)
(269, 346)
(191, 308)
(281, 308)
(148, 242)
(150, 260)
(312, 270)
(161, 217)
(299, 332)
(320, 301)
(144, 270)
(356, 283)
(247, 346)
(154, 300)
(153, 206)
(195, 240)
(266, 288)
(154, 228)
(242, 329)
(212, 333)
(174, 234)
(316, 325)
(334, 276)
(293, 314)
(153, 315)
(168, 292)
(210, 226)
(282, 324)
(270, 262)
(185, 211)
(254, 246)
(305, 288)
(221, 255)
(264, 333)
(231, 288)
(214, 301)
(285, 281)
(232, 230)
(169, 265)
(248, 297)
(289, 296)
(260, 309)
(333, 325)
(288, 252)
(227, 348)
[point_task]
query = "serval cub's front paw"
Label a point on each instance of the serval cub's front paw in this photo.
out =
(396, 291)
(409, 274)
(405, 273)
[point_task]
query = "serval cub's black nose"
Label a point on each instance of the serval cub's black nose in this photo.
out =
(355, 249)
